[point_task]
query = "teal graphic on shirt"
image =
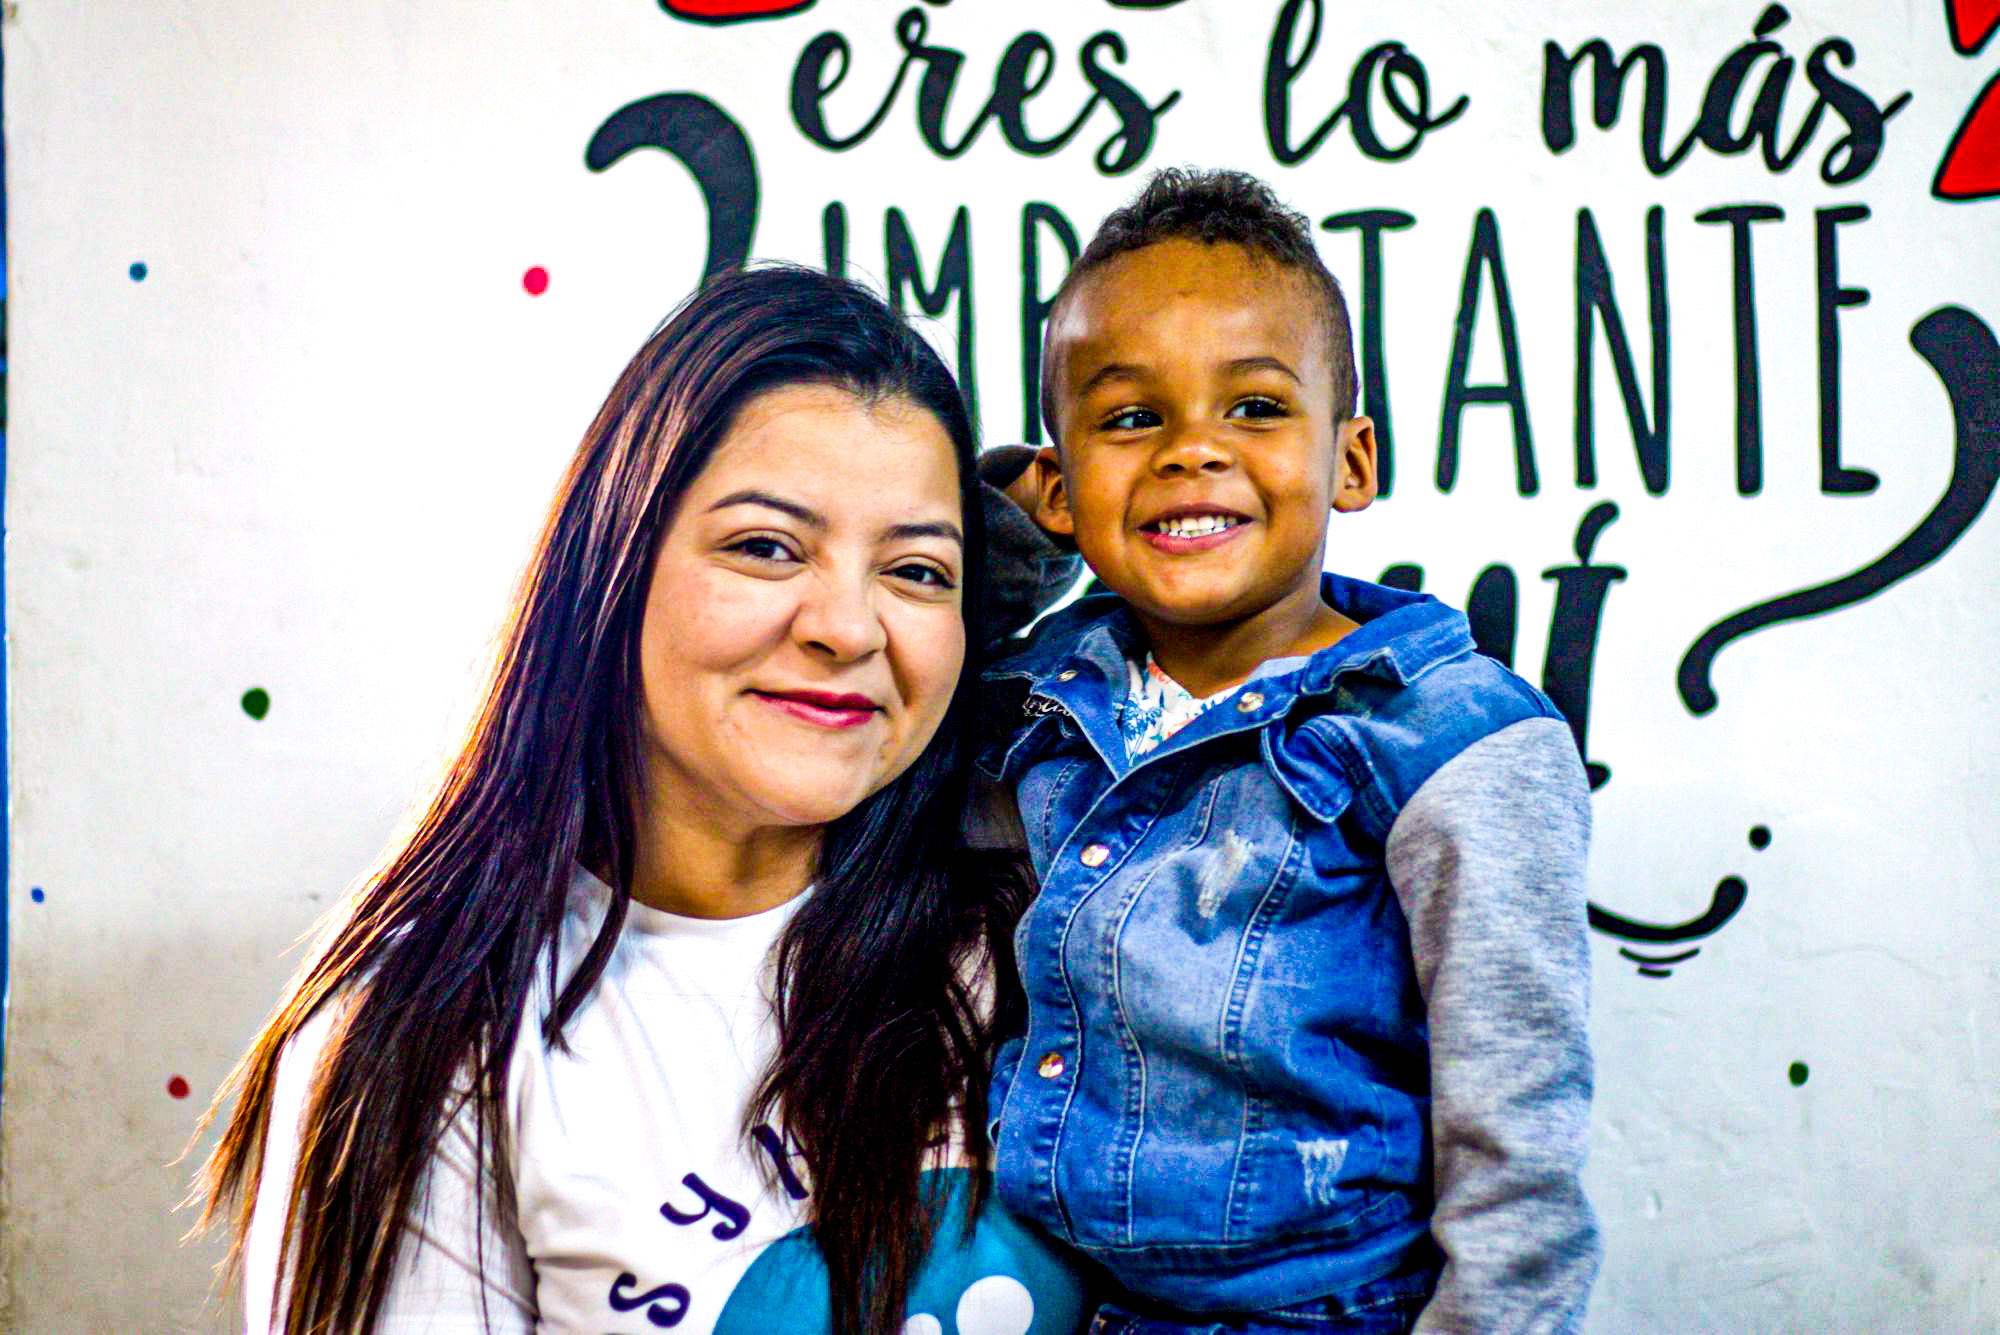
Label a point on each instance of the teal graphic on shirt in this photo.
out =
(1002, 1276)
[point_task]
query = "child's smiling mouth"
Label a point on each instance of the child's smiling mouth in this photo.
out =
(1192, 530)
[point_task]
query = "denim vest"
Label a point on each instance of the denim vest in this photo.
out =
(1223, 1091)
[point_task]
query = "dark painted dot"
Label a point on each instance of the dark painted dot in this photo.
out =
(1760, 836)
(37, 895)
(256, 702)
(177, 1087)
(1799, 1074)
(138, 272)
(536, 281)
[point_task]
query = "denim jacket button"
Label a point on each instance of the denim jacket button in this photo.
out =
(1050, 1066)
(1250, 702)
(1094, 855)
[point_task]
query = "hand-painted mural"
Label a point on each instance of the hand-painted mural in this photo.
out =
(1677, 321)
(1816, 107)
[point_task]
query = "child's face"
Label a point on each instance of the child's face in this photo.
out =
(1199, 450)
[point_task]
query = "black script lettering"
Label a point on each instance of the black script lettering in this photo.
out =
(1854, 153)
(1493, 609)
(1749, 385)
(1573, 630)
(1035, 307)
(1405, 86)
(1023, 72)
(1834, 479)
(1726, 84)
(821, 69)
(1371, 223)
(954, 278)
(1484, 258)
(833, 238)
(1607, 93)
(1716, 128)
(1595, 302)
(1137, 121)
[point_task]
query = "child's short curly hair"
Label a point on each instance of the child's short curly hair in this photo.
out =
(1216, 207)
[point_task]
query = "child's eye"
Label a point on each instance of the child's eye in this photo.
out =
(1257, 406)
(762, 548)
(924, 573)
(1131, 419)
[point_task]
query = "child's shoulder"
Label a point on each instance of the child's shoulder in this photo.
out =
(1410, 693)
(1060, 634)
(1412, 657)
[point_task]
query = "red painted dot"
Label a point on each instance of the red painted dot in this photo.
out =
(178, 1087)
(536, 281)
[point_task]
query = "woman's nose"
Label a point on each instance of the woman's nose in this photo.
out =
(838, 619)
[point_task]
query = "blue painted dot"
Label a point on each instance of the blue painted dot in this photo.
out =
(37, 895)
(138, 272)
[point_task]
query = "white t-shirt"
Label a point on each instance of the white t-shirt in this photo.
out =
(641, 1206)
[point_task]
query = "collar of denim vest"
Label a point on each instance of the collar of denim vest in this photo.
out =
(1400, 636)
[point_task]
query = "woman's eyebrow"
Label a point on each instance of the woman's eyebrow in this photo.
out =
(937, 529)
(804, 514)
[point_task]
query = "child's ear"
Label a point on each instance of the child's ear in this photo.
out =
(1354, 465)
(1051, 504)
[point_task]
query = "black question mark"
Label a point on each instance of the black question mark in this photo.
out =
(710, 145)
(1962, 350)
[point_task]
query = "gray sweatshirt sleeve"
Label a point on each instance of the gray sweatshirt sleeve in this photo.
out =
(1487, 859)
(1027, 572)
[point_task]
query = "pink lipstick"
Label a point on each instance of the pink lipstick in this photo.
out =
(823, 709)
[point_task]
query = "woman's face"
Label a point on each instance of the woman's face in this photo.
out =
(802, 631)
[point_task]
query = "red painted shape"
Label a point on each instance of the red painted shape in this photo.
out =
(732, 11)
(1972, 23)
(536, 281)
(1971, 167)
(178, 1087)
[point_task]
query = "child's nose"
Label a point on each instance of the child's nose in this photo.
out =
(1192, 450)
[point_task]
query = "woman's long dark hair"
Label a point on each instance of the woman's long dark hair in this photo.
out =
(432, 959)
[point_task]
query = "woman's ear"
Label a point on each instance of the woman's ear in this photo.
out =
(1050, 505)
(1354, 465)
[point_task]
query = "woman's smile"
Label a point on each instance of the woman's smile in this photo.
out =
(822, 709)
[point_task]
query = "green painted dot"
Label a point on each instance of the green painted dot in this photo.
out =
(1799, 1074)
(138, 272)
(256, 702)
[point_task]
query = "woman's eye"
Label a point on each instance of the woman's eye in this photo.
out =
(1258, 407)
(1131, 419)
(918, 572)
(759, 548)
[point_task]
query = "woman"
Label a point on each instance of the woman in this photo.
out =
(687, 949)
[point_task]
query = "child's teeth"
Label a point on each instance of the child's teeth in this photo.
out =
(1194, 526)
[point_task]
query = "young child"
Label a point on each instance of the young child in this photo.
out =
(1306, 978)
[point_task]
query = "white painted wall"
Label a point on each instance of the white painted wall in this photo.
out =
(305, 453)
